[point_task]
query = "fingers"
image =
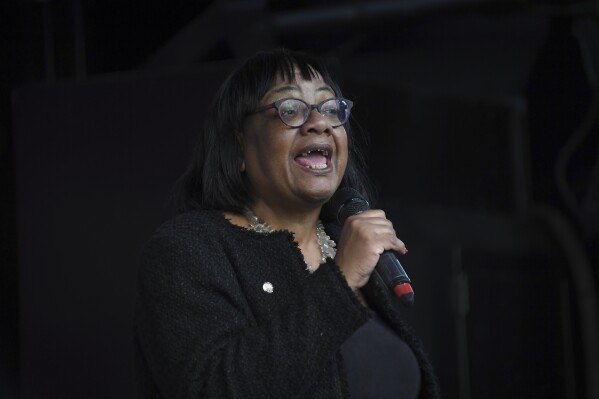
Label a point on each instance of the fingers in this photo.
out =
(363, 239)
(374, 225)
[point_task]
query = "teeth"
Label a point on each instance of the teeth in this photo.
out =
(322, 166)
(324, 153)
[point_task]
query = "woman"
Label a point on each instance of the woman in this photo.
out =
(245, 295)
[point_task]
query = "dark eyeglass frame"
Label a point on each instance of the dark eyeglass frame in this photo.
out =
(310, 107)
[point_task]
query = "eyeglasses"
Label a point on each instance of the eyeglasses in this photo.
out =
(295, 112)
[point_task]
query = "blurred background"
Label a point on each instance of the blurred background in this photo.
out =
(484, 146)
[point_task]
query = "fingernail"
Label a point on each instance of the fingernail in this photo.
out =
(405, 251)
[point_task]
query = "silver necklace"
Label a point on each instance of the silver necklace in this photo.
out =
(325, 243)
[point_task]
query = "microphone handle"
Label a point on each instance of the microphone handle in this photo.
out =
(395, 277)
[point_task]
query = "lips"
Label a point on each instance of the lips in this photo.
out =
(315, 156)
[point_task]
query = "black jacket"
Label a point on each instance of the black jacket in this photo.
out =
(208, 327)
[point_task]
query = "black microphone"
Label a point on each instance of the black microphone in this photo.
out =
(347, 202)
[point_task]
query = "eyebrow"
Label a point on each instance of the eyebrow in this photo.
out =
(295, 88)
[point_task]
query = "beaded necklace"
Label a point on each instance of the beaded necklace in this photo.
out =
(325, 243)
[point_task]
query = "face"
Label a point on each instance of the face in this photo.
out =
(294, 167)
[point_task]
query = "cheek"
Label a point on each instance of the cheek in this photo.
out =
(342, 146)
(269, 146)
(261, 151)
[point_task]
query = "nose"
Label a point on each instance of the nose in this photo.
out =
(316, 123)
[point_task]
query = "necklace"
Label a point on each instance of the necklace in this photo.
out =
(325, 243)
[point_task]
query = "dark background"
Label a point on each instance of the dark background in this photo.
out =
(484, 147)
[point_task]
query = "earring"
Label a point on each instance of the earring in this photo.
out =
(242, 168)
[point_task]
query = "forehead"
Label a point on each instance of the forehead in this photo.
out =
(299, 85)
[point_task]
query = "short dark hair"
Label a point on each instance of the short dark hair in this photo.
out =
(213, 179)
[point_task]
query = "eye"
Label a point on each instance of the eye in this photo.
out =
(330, 108)
(289, 108)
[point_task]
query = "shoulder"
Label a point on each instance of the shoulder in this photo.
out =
(185, 240)
(193, 223)
(197, 228)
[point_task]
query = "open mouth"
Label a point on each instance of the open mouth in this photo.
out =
(315, 157)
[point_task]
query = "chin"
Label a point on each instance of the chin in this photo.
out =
(320, 196)
(317, 191)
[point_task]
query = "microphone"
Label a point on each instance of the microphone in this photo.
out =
(347, 202)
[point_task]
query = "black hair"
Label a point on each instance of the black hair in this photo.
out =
(213, 179)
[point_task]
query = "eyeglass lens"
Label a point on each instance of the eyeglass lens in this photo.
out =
(294, 112)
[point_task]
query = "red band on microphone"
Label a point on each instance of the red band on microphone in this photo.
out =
(403, 289)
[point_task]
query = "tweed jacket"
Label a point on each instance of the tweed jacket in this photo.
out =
(225, 312)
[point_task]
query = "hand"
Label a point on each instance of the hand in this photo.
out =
(363, 239)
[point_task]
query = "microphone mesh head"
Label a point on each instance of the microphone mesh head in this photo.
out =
(352, 207)
(345, 203)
